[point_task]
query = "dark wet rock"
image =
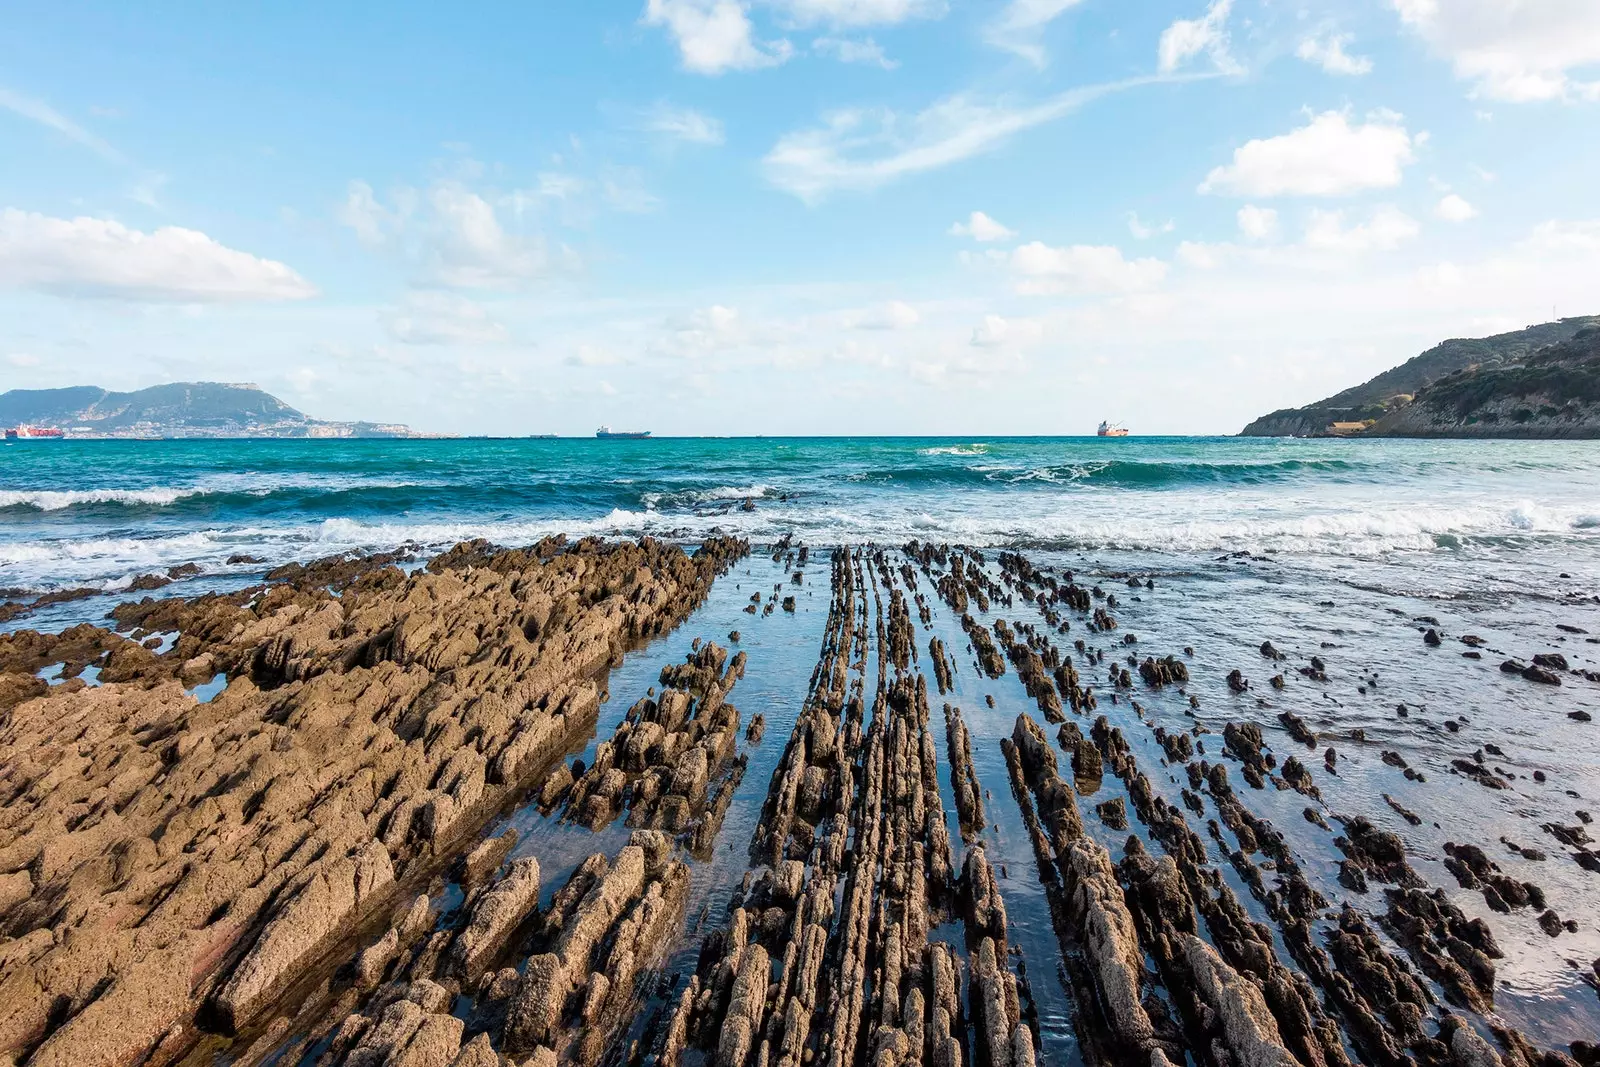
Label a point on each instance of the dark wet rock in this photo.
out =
(1405, 813)
(1377, 853)
(1542, 675)
(1113, 813)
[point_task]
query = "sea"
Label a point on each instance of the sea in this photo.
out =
(1347, 550)
(75, 513)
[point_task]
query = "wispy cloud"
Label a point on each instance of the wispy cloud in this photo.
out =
(1022, 22)
(863, 148)
(852, 50)
(683, 124)
(42, 113)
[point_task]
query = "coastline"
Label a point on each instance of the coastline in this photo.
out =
(482, 658)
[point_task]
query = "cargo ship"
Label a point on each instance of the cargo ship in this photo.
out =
(33, 433)
(1108, 429)
(606, 433)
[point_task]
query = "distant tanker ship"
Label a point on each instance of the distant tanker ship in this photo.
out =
(1108, 429)
(33, 433)
(606, 433)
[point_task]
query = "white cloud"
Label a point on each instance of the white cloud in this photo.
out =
(1556, 236)
(1187, 38)
(469, 247)
(42, 113)
(1386, 229)
(1146, 230)
(362, 213)
(100, 257)
(1327, 51)
(991, 332)
(849, 50)
(715, 35)
(434, 318)
(1455, 208)
(1326, 157)
(1081, 269)
(22, 359)
(589, 355)
(858, 12)
(895, 315)
(1257, 223)
(684, 124)
(1515, 51)
(981, 227)
(863, 149)
(623, 189)
(1019, 26)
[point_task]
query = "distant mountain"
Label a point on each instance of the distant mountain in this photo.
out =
(181, 409)
(1377, 403)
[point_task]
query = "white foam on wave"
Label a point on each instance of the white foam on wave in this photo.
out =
(1114, 521)
(61, 499)
(975, 449)
(163, 495)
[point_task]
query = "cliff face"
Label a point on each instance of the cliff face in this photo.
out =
(1381, 400)
(1554, 393)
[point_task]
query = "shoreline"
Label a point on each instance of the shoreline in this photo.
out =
(884, 609)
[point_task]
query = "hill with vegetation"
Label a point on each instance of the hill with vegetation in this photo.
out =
(1377, 404)
(179, 409)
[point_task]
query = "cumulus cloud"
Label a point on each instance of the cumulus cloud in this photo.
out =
(981, 227)
(1326, 50)
(434, 318)
(1257, 223)
(714, 36)
(1021, 23)
(1082, 269)
(1384, 230)
(362, 212)
(860, 148)
(1187, 38)
(1518, 52)
(1455, 208)
(103, 258)
(470, 248)
(1326, 157)
(684, 124)
(850, 50)
(454, 236)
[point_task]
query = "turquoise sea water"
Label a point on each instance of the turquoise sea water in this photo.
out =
(101, 512)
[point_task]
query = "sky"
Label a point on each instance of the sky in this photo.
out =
(957, 217)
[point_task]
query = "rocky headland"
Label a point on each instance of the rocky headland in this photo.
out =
(1540, 382)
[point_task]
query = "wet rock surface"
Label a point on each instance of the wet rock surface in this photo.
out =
(190, 864)
(1269, 871)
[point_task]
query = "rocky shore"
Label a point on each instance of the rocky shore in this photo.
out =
(269, 827)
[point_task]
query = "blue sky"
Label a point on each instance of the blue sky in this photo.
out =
(789, 216)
